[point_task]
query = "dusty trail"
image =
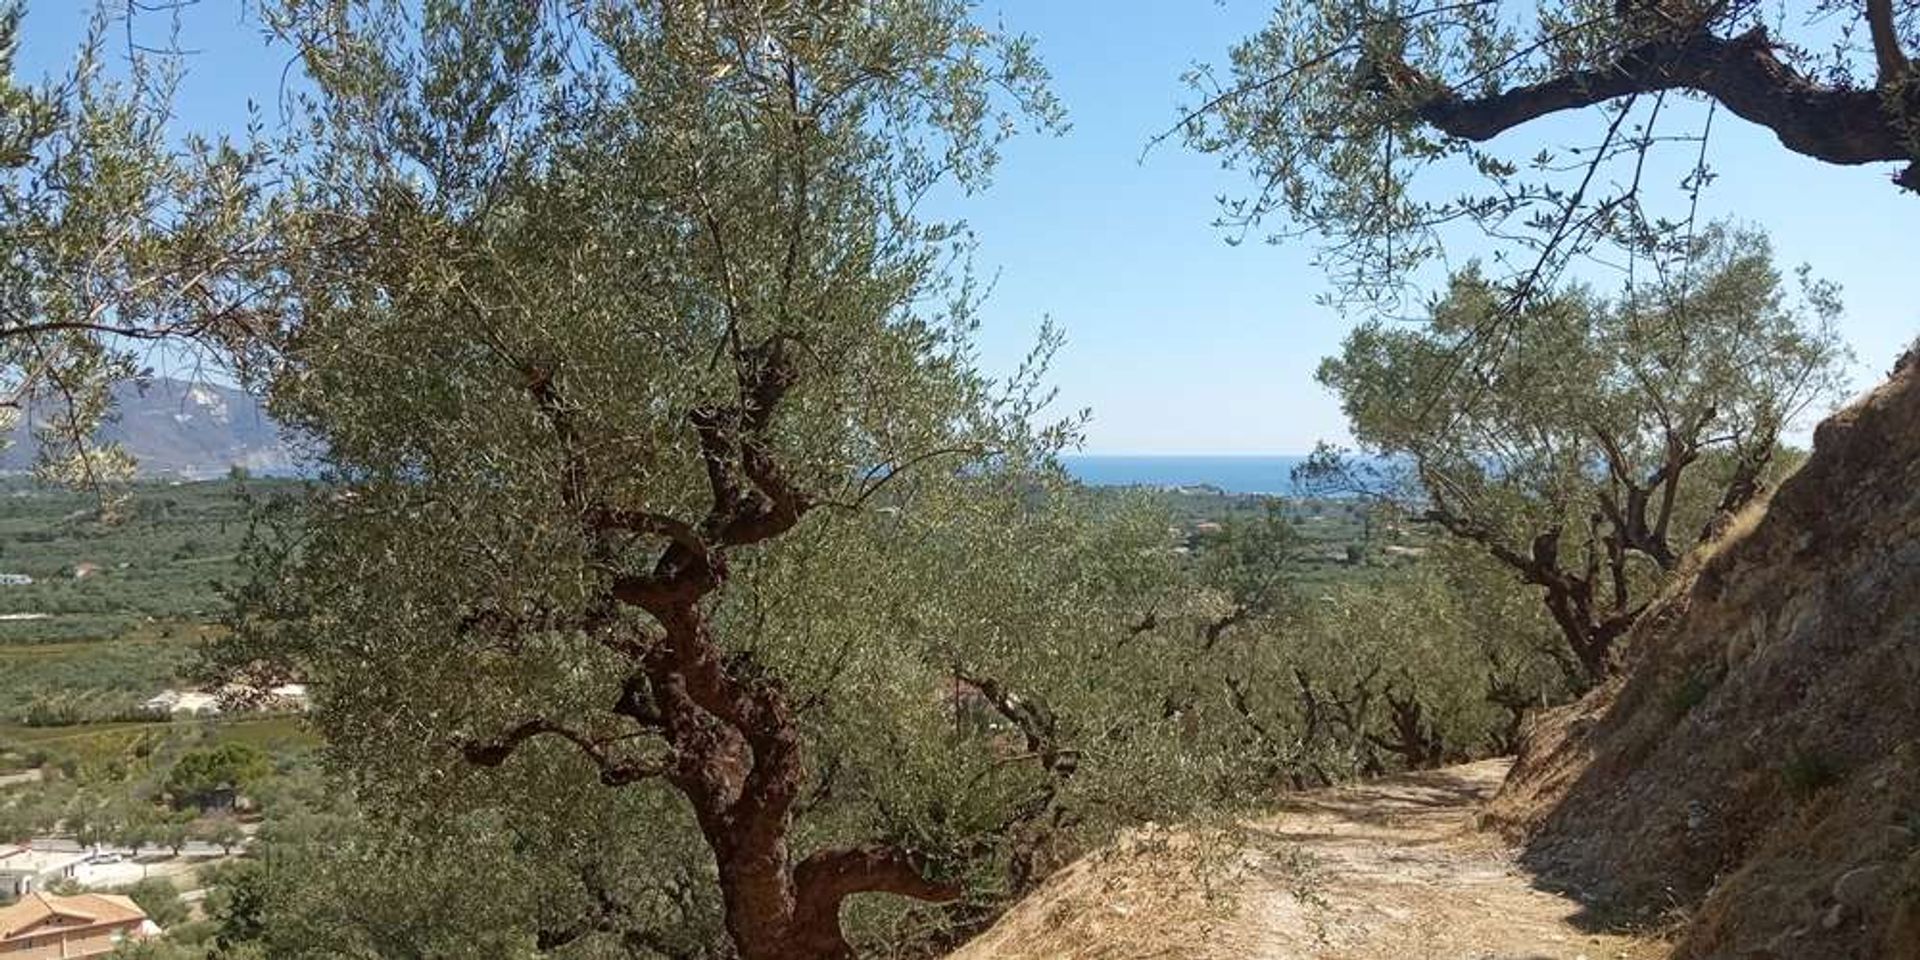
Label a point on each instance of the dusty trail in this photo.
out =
(1389, 870)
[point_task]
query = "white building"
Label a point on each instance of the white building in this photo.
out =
(24, 870)
(184, 703)
(289, 696)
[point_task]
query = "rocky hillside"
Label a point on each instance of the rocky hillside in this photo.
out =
(1754, 777)
(179, 429)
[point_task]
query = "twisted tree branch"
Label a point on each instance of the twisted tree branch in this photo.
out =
(1832, 124)
(613, 773)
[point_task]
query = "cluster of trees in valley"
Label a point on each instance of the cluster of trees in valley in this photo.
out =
(673, 581)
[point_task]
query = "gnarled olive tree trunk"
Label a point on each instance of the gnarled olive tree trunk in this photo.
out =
(733, 748)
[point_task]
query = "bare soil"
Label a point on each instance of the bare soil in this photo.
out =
(1393, 869)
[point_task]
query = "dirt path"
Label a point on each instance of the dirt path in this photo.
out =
(22, 778)
(1388, 870)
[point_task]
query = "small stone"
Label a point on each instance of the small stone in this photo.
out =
(1856, 885)
(1835, 914)
(1696, 815)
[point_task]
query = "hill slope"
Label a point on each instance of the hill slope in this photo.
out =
(1757, 768)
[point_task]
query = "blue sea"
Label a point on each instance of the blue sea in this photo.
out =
(1234, 474)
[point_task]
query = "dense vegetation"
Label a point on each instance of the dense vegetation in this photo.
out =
(113, 786)
(139, 783)
(117, 607)
(163, 560)
(1598, 441)
(674, 566)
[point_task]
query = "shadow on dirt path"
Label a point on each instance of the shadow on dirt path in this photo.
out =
(1393, 869)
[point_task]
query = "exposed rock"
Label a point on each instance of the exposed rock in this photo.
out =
(1857, 887)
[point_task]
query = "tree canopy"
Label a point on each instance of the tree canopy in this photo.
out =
(662, 478)
(1338, 112)
(1590, 443)
(201, 775)
(673, 563)
(116, 237)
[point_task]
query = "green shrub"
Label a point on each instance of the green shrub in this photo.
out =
(1807, 772)
(1690, 692)
(201, 777)
(160, 899)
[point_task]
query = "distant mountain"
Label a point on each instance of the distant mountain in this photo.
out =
(189, 431)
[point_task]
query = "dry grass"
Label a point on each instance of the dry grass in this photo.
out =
(1379, 871)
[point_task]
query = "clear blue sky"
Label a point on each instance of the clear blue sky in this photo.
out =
(1178, 342)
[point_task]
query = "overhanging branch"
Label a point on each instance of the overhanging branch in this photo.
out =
(1835, 125)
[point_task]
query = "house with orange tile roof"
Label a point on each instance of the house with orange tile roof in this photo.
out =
(44, 927)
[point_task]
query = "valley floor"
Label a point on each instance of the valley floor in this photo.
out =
(1387, 870)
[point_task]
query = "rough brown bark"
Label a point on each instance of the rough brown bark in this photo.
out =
(733, 747)
(1832, 124)
(1034, 818)
(1629, 516)
(1210, 635)
(1414, 739)
(1589, 629)
(1887, 56)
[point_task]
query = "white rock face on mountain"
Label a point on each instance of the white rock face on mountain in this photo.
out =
(176, 429)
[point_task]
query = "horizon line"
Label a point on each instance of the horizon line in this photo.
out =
(1243, 455)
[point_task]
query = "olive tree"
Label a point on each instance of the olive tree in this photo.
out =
(116, 235)
(1248, 563)
(659, 466)
(1358, 679)
(1306, 682)
(1386, 128)
(1593, 441)
(974, 682)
